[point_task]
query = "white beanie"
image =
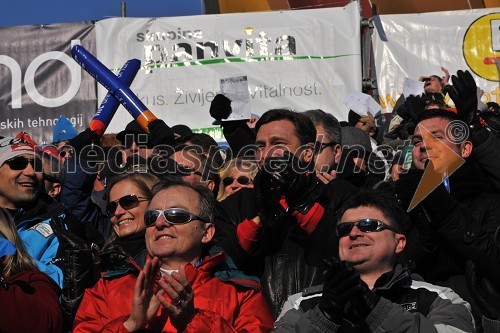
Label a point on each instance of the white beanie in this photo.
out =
(11, 147)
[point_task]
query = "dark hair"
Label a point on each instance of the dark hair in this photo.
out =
(304, 127)
(440, 80)
(436, 102)
(439, 113)
(385, 202)
(329, 123)
(208, 145)
(205, 196)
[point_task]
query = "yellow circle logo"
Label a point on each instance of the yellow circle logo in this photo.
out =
(482, 46)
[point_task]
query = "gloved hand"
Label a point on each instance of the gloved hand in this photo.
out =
(160, 134)
(297, 184)
(411, 108)
(364, 301)
(84, 139)
(77, 265)
(266, 196)
(220, 108)
(341, 284)
(464, 95)
(406, 185)
(486, 296)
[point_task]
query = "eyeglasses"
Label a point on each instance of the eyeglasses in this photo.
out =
(326, 145)
(172, 215)
(19, 163)
(242, 180)
(126, 202)
(365, 225)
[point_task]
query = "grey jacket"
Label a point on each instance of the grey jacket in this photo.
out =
(406, 305)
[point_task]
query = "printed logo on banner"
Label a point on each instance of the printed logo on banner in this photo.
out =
(481, 46)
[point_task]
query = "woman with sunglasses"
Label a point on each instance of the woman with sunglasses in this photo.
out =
(128, 197)
(235, 175)
(29, 298)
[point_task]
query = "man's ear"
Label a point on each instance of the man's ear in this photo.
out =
(337, 151)
(466, 149)
(308, 152)
(400, 242)
(208, 233)
(210, 185)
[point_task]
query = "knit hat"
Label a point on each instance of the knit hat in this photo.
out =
(63, 130)
(11, 147)
(352, 136)
(181, 130)
(132, 128)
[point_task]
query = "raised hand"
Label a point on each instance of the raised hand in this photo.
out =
(297, 184)
(220, 108)
(464, 95)
(145, 303)
(180, 308)
(368, 124)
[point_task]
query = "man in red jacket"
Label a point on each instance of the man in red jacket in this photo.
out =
(176, 289)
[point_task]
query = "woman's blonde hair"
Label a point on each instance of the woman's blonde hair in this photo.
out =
(249, 168)
(143, 181)
(21, 260)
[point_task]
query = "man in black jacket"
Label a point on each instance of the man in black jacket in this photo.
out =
(368, 291)
(458, 220)
(281, 229)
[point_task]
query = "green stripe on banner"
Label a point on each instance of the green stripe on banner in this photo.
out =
(234, 59)
(214, 132)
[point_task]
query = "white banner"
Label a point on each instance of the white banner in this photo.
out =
(414, 45)
(304, 59)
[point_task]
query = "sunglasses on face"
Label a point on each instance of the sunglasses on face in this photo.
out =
(365, 225)
(19, 163)
(184, 170)
(242, 180)
(126, 202)
(172, 216)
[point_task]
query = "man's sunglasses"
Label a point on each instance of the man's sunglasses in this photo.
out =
(126, 202)
(365, 225)
(242, 180)
(184, 170)
(19, 163)
(171, 215)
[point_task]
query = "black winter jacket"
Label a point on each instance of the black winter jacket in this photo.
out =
(449, 229)
(287, 259)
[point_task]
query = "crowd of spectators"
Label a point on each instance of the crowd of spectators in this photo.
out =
(304, 224)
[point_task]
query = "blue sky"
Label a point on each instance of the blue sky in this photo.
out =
(27, 12)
